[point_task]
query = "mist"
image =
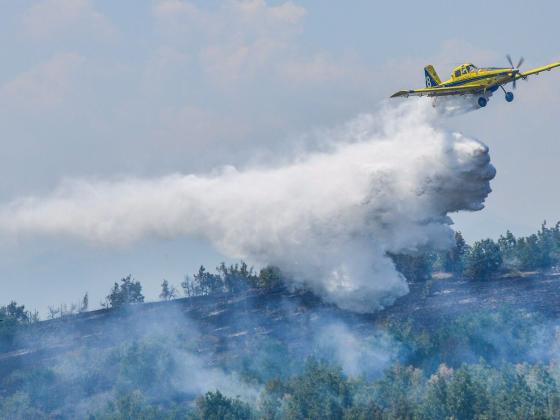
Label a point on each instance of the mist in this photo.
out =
(384, 182)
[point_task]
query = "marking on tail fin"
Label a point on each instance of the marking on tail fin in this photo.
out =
(431, 77)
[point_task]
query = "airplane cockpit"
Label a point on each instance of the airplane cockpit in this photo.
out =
(463, 70)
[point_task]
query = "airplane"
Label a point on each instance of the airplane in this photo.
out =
(467, 79)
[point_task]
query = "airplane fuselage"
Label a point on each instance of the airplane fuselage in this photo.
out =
(489, 79)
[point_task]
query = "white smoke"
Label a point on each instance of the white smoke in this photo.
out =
(355, 353)
(386, 184)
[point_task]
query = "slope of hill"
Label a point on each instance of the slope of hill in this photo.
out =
(226, 324)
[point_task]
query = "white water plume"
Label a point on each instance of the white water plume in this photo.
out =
(328, 219)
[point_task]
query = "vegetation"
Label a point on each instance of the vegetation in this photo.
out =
(483, 260)
(232, 279)
(484, 365)
(215, 406)
(168, 292)
(500, 364)
(486, 258)
(13, 317)
(126, 293)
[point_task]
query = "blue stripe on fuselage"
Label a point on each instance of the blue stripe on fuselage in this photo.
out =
(472, 79)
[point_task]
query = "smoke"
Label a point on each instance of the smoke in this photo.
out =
(385, 183)
(357, 354)
(159, 351)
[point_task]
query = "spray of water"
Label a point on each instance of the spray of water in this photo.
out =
(386, 184)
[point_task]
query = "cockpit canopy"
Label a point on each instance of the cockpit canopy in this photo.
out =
(464, 69)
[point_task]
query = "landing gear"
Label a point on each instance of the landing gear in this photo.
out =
(509, 95)
(482, 101)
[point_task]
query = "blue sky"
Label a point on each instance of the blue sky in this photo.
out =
(105, 89)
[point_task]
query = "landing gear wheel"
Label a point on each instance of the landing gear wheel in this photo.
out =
(509, 96)
(482, 102)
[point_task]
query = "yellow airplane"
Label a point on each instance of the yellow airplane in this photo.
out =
(468, 79)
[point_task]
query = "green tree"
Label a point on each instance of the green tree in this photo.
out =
(15, 312)
(369, 411)
(320, 392)
(128, 292)
(533, 253)
(507, 244)
(206, 283)
(454, 259)
(466, 398)
(12, 318)
(483, 260)
(216, 406)
(237, 277)
(400, 391)
(133, 406)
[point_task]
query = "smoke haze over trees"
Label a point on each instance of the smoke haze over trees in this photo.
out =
(493, 364)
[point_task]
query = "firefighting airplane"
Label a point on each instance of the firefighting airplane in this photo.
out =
(468, 79)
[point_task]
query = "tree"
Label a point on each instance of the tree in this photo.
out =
(415, 268)
(188, 286)
(167, 292)
(507, 244)
(454, 259)
(15, 312)
(12, 316)
(466, 398)
(320, 392)
(533, 253)
(237, 277)
(216, 406)
(270, 277)
(128, 292)
(400, 390)
(206, 283)
(435, 402)
(85, 303)
(483, 260)
(133, 405)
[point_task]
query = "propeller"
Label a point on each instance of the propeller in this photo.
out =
(514, 69)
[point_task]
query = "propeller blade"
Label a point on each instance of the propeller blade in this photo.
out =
(509, 60)
(514, 84)
(521, 60)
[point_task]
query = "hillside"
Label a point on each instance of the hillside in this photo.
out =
(227, 324)
(274, 353)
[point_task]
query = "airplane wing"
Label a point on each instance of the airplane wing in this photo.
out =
(537, 70)
(439, 91)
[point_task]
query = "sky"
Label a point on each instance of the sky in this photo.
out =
(106, 90)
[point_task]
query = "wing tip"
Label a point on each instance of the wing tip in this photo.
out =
(400, 93)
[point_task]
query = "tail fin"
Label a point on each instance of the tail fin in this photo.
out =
(432, 78)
